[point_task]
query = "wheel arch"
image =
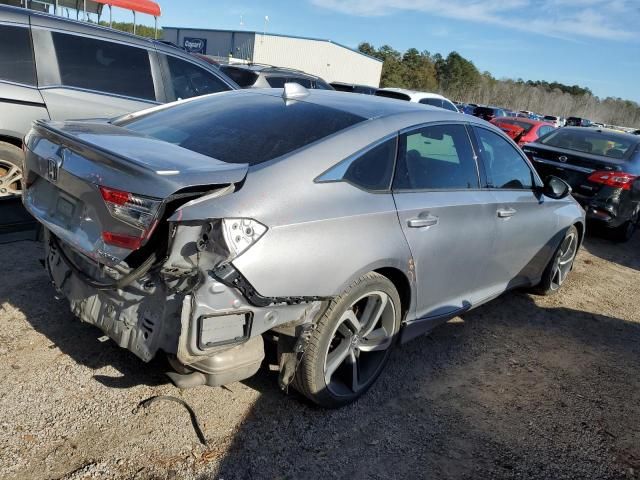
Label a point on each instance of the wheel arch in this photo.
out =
(16, 142)
(402, 284)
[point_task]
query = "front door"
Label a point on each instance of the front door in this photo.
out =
(526, 225)
(446, 217)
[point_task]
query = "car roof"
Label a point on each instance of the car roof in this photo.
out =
(414, 94)
(260, 68)
(523, 120)
(35, 18)
(372, 107)
(614, 134)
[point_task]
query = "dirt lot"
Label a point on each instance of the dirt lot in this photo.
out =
(525, 387)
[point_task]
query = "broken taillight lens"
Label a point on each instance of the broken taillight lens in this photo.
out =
(240, 234)
(135, 210)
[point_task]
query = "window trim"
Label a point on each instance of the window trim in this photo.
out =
(33, 56)
(336, 173)
(537, 181)
(475, 157)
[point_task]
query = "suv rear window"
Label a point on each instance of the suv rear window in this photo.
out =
(396, 95)
(243, 127)
(586, 141)
(16, 55)
(104, 66)
(243, 77)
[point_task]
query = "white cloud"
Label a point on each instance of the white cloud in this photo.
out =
(568, 19)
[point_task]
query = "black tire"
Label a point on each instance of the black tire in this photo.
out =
(10, 157)
(310, 376)
(549, 284)
(624, 232)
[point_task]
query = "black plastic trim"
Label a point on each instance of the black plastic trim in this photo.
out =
(229, 276)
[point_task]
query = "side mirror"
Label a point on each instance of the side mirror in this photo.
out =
(556, 188)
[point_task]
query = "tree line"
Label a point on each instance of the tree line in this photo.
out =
(458, 78)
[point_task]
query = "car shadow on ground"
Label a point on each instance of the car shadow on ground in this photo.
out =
(27, 288)
(510, 391)
(625, 254)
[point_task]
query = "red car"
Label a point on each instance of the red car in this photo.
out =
(522, 130)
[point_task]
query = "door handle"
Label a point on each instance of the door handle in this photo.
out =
(420, 222)
(506, 212)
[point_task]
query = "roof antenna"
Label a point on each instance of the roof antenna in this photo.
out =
(294, 91)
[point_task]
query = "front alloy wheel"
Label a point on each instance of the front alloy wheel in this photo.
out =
(351, 343)
(564, 261)
(558, 268)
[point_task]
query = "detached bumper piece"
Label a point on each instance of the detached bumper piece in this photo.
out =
(228, 366)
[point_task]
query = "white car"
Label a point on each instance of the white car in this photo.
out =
(556, 121)
(425, 98)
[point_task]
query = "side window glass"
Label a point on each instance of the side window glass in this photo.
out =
(16, 55)
(436, 157)
(104, 66)
(449, 106)
(189, 80)
(276, 82)
(436, 102)
(374, 169)
(504, 166)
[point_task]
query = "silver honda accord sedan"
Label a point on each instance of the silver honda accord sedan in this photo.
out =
(333, 224)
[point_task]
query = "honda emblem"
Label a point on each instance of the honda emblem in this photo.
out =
(53, 168)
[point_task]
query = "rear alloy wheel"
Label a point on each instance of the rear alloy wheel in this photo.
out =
(561, 264)
(351, 343)
(10, 170)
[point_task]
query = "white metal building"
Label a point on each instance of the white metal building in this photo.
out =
(326, 59)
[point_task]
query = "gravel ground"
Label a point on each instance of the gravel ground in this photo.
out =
(524, 387)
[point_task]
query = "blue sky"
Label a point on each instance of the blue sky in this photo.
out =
(593, 43)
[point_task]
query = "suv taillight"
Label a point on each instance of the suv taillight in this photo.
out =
(613, 179)
(135, 210)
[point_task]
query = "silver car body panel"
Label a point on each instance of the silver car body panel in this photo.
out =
(320, 236)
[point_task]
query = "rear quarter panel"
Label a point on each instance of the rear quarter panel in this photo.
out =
(321, 236)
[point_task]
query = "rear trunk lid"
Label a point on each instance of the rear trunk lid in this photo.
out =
(67, 163)
(573, 167)
(513, 131)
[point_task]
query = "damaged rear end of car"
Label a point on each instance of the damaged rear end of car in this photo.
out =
(121, 250)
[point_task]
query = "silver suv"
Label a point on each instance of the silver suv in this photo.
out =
(57, 69)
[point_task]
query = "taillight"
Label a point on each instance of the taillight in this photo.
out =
(135, 210)
(120, 240)
(613, 179)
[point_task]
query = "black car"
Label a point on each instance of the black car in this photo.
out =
(489, 113)
(602, 167)
(578, 122)
(267, 76)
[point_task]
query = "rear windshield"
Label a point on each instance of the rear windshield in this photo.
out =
(396, 95)
(243, 77)
(587, 141)
(485, 111)
(524, 125)
(242, 127)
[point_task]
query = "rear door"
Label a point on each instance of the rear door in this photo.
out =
(446, 217)
(83, 77)
(525, 222)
